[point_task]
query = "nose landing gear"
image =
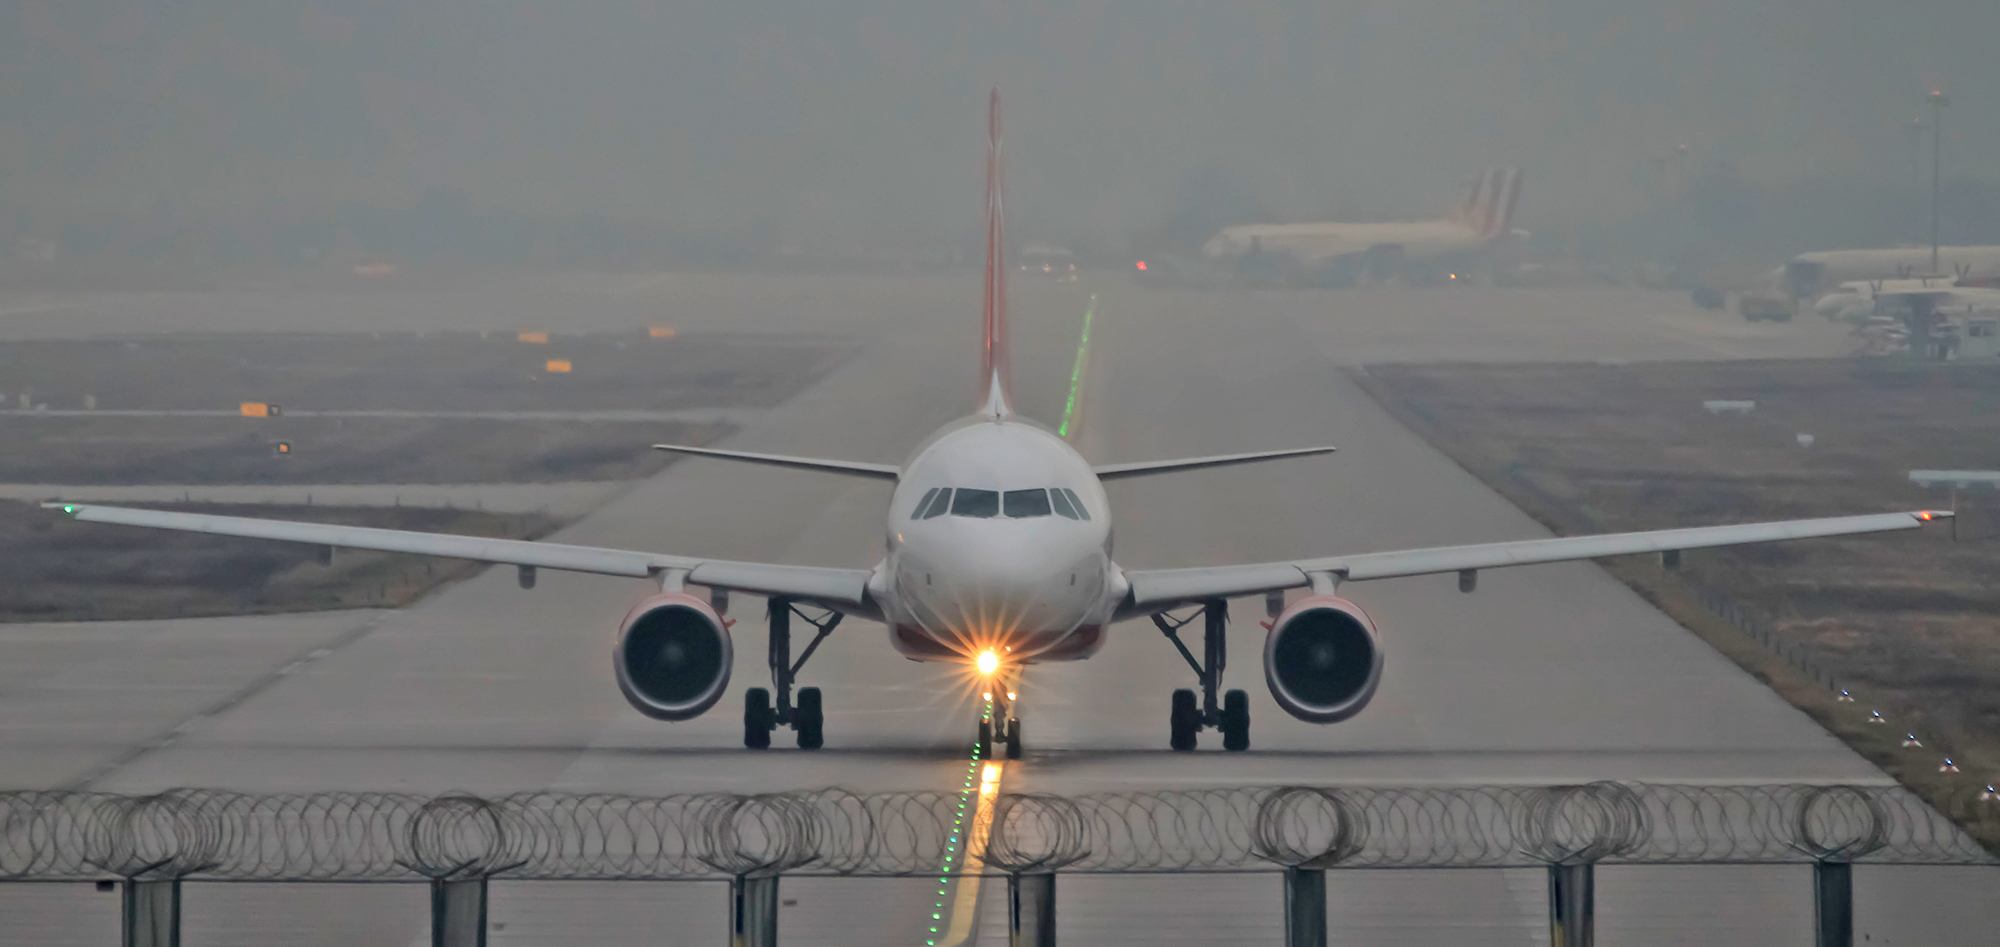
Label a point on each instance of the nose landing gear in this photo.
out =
(806, 718)
(1001, 726)
(1232, 715)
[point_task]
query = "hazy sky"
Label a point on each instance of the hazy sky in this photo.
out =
(862, 119)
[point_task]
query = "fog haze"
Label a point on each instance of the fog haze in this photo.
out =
(857, 126)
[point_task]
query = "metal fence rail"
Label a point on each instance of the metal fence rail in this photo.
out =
(346, 836)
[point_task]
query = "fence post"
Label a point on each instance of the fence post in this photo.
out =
(151, 912)
(1572, 904)
(753, 910)
(1833, 904)
(1305, 907)
(1031, 909)
(1305, 830)
(458, 912)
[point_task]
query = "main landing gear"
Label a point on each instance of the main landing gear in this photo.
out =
(1002, 726)
(1232, 716)
(807, 719)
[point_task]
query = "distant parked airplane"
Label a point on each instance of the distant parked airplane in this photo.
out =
(1379, 248)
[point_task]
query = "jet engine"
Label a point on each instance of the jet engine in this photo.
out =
(673, 657)
(1322, 659)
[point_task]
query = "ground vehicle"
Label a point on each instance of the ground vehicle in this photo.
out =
(1757, 308)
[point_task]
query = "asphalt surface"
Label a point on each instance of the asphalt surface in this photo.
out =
(1546, 674)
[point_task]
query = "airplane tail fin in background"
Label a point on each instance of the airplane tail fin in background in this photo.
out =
(996, 395)
(1489, 209)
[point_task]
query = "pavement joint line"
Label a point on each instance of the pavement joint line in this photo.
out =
(188, 723)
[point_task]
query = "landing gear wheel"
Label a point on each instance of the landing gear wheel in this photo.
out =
(809, 720)
(758, 718)
(1235, 721)
(1184, 722)
(984, 748)
(1013, 738)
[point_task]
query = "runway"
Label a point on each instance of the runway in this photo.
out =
(1546, 674)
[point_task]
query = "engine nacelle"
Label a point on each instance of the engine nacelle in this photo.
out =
(673, 657)
(1322, 659)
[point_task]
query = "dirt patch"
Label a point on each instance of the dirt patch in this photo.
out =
(127, 450)
(446, 408)
(451, 371)
(1903, 622)
(54, 568)
(451, 408)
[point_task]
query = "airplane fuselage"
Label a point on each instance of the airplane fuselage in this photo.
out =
(1319, 243)
(999, 538)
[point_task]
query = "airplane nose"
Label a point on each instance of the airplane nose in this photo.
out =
(996, 593)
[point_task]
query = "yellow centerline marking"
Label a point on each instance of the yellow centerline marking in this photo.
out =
(979, 793)
(965, 907)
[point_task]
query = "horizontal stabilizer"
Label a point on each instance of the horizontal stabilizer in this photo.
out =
(1146, 467)
(852, 468)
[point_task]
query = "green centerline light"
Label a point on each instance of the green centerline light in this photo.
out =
(951, 849)
(1076, 370)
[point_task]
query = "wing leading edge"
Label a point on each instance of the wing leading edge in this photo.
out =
(1158, 588)
(1146, 467)
(845, 589)
(852, 468)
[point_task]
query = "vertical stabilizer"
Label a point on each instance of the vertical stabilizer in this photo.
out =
(996, 393)
(1468, 213)
(1489, 209)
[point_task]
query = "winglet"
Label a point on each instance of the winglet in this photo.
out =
(996, 395)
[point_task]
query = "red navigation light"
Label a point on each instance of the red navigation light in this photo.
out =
(1142, 265)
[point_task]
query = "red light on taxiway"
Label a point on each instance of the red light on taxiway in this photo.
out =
(1142, 265)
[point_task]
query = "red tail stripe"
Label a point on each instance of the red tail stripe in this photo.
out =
(995, 368)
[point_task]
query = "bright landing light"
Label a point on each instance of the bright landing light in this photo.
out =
(988, 661)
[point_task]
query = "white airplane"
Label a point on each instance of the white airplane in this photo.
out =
(1857, 300)
(1486, 216)
(1810, 274)
(999, 557)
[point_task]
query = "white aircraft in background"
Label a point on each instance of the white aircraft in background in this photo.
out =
(999, 557)
(1857, 300)
(1810, 274)
(1486, 216)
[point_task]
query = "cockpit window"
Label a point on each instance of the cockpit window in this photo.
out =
(939, 505)
(1061, 503)
(1076, 502)
(981, 503)
(924, 503)
(1021, 504)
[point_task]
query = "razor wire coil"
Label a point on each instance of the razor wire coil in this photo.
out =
(365, 836)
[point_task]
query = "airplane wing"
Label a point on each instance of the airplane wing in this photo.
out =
(852, 468)
(1144, 467)
(841, 589)
(1155, 589)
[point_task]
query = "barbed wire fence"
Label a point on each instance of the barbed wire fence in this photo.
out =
(457, 842)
